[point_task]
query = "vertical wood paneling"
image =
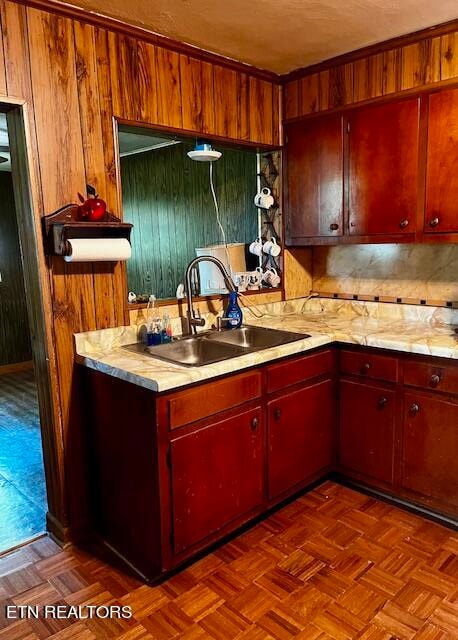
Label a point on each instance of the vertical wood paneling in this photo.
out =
(14, 327)
(226, 94)
(15, 48)
(191, 95)
(124, 74)
(94, 157)
(89, 106)
(309, 93)
(420, 63)
(168, 88)
(292, 99)
(146, 83)
(341, 85)
(425, 62)
(207, 98)
(56, 108)
(3, 89)
(449, 56)
(261, 101)
(106, 118)
(277, 114)
(243, 107)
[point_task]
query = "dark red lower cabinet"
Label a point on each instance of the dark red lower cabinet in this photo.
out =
(301, 435)
(430, 448)
(367, 419)
(217, 475)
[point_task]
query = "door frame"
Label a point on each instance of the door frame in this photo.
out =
(29, 210)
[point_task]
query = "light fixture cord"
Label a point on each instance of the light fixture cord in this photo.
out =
(218, 219)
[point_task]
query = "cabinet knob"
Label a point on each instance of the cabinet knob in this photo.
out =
(382, 402)
(277, 413)
(404, 223)
(334, 226)
(414, 408)
(434, 222)
(254, 424)
(365, 368)
(435, 379)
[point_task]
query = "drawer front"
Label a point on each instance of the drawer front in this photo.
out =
(369, 365)
(431, 376)
(213, 397)
(291, 372)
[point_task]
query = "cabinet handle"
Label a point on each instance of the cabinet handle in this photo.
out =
(277, 414)
(414, 408)
(254, 424)
(334, 226)
(435, 379)
(382, 402)
(434, 222)
(365, 368)
(404, 223)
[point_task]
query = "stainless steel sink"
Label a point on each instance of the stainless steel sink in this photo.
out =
(215, 346)
(194, 352)
(255, 338)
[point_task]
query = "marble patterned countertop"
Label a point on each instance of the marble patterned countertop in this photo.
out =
(406, 328)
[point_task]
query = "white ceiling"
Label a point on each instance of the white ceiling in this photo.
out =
(279, 35)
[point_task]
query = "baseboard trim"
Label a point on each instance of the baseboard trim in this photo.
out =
(402, 503)
(16, 367)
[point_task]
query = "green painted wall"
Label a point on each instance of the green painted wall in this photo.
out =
(167, 198)
(14, 328)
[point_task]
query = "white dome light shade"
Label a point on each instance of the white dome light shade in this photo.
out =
(203, 152)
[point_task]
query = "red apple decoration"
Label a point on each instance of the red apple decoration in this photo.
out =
(92, 209)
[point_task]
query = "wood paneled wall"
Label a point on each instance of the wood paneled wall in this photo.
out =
(412, 66)
(167, 197)
(14, 326)
(75, 78)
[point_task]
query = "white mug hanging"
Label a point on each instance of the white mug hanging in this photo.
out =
(264, 199)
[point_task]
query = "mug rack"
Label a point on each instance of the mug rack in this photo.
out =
(268, 176)
(63, 225)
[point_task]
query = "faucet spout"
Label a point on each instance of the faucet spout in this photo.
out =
(194, 319)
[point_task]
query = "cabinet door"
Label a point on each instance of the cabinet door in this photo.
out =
(441, 213)
(367, 430)
(383, 168)
(301, 435)
(216, 476)
(430, 447)
(314, 155)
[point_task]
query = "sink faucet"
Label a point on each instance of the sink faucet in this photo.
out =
(194, 318)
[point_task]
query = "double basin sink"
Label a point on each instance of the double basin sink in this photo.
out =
(215, 346)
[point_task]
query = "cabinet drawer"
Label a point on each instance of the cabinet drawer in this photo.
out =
(369, 365)
(431, 376)
(212, 397)
(291, 372)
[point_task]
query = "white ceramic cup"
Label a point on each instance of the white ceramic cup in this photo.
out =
(241, 280)
(264, 199)
(256, 247)
(271, 248)
(271, 277)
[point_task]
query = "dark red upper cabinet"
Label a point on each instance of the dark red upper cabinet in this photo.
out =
(314, 167)
(441, 213)
(383, 168)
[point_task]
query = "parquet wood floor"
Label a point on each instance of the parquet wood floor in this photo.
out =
(334, 564)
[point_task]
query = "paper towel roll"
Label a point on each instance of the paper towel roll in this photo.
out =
(98, 250)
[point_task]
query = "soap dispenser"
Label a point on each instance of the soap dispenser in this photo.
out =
(233, 312)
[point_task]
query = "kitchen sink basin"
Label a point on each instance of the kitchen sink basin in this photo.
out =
(255, 338)
(215, 346)
(194, 352)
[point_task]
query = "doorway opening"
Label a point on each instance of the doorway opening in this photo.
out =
(23, 496)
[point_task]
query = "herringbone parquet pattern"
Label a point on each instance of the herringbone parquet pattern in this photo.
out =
(334, 564)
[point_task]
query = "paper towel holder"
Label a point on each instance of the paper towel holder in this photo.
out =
(63, 225)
